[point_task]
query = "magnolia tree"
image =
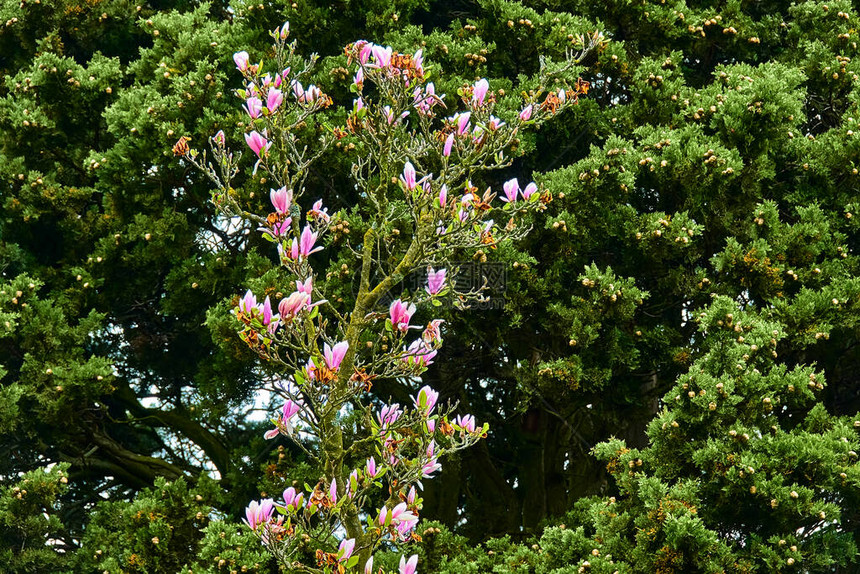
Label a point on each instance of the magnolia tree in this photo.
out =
(415, 163)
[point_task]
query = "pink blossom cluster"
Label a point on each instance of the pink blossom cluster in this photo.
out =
(471, 206)
(407, 441)
(264, 96)
(267, 517)
(374, 57)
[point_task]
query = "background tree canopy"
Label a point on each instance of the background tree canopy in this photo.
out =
(671, 385)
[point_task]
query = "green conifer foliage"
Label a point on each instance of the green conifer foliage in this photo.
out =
(110, 254)
(31, 526)
(158, 531)
(745, 469)
(702, 134)
(712, 183)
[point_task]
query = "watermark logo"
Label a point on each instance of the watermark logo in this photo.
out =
(483, 284)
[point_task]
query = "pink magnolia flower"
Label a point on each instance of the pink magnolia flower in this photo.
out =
(435, 280)
(366, 48)
(307, 242)
(332, 491)
(312, 94)
(494, 123)
(401, 314)
(289, 496)
(219, 138)
(368, 566)
(305, 287)
(257, 142)
(274, 527)
(248, 303)
(319, 212)
(449, 143)
(281, 199)
(562, 95)
(310, 370)
(408, 177)
(241, 59)
(383, 515)
(418, 61)
(345, 550)
(467, 422)
(433, 333)
(334, 355)
(530, 190)
(381, 56)
(254, 106)
(267, 311)
(462, 121)
(389, 414)
(526, 113)
(389, 115)
(512, 188)
(284, 31)
(443, 195)
(370, 466)
(426, 99)
(259, 513)
(479, 92)
(358, 79)
(404, 528)
(431, 425)
(420, 101)
(290, 409)
(419, 354)
(300, 501)
(284, 422)
(278, 229)
(430, 467)
(298, 91)
(291, 306)
(399, 515)
(410, 566)
(292, 500)
(358, 105)
(410, 498)
(426, 400)
(274, 99)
